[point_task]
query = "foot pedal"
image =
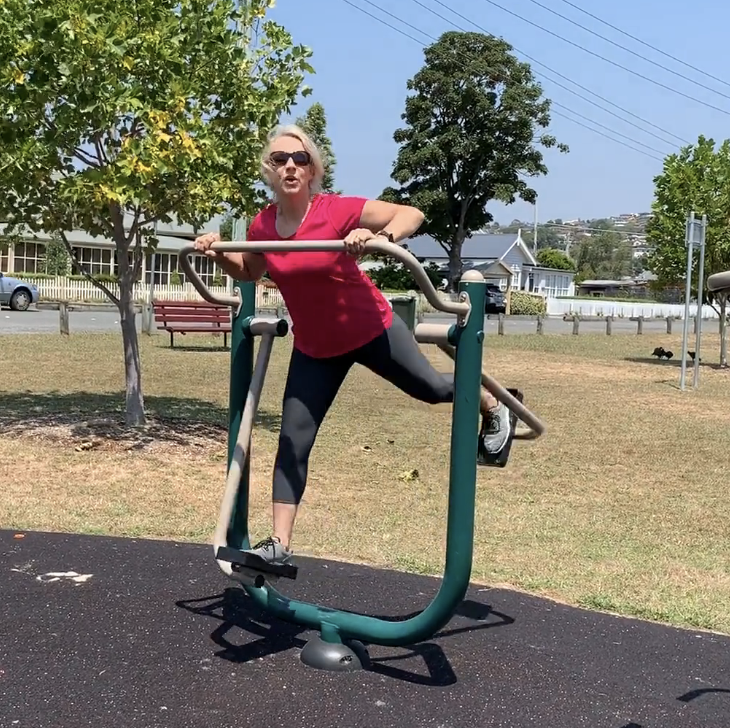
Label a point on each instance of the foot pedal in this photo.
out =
(499, 459)
(240, 560)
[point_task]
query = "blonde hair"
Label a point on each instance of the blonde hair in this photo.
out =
(296, 132)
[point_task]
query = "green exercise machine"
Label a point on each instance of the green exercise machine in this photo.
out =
(342, 635)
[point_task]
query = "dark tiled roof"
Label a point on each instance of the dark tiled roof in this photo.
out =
(480, 246)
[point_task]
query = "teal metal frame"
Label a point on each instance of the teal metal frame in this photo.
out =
(335, 626)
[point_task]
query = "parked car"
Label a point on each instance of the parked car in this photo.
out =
(494, 302)
(19, 295)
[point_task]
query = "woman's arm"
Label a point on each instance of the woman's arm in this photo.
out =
(239, 266)
(401, 221)
(242, 266)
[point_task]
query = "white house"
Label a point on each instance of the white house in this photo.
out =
(99, 256)
(498, 256)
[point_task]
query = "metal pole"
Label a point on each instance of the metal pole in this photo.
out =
(238, 232)
(242, 350)
(700, 297)
(534, 231)
(687, 293)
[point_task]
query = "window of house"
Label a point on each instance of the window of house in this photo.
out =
(3, 261)
(166, 266)
(95, 261)
(166, 270)
(29, 258)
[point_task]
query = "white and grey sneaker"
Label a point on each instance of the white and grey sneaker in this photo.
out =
(496, 428)
(271, 551)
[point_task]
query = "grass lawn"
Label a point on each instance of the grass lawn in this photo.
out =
(621, 506)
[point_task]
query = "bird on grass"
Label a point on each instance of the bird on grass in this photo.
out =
(660, 353)
(692, 355)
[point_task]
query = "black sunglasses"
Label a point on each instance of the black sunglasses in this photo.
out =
(301, 159)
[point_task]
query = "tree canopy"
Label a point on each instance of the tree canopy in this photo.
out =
(116, 116)
(697, 178)
(605, 255)
(473, 128)
(552, 258)
(314, 122)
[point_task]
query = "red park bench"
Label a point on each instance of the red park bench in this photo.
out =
(193, 317)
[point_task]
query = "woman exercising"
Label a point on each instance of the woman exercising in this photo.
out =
(339, 317)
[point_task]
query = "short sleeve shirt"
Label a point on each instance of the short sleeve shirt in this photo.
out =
(334, 306)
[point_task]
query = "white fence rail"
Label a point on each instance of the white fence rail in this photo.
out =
(76, 291)
(622, 309)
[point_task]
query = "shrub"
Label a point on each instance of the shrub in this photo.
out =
(526, 304)
(396, 277)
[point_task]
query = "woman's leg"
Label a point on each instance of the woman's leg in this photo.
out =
(396, 356)
(311, 387)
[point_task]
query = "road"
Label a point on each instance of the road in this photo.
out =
(47, 321)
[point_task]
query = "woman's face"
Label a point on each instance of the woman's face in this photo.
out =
(292, 166)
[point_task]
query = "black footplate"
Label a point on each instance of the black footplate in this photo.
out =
(240, 560)
(498, 459)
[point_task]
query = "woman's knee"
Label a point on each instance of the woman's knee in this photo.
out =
(440, 390)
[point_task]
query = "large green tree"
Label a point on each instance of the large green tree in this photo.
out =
(115, 116)
(314, 122)
(605, 255)
(697, 178)
(473, 131)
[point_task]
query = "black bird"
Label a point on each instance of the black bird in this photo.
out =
(658, 352)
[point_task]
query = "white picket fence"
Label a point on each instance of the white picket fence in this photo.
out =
(268, 296)
(77, 291)
(621, 309)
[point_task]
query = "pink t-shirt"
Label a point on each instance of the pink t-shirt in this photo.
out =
(334, 306)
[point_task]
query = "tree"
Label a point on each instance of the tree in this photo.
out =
(551, 258)
(472, 129)
(56, 262)
(396, 277)
(606, 255)
(314, 123)
(114, 116)
(697, 178)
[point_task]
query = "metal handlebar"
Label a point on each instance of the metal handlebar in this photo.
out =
(460, 308)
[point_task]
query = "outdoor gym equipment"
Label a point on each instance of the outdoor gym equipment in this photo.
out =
(719, 284)
(340, 645)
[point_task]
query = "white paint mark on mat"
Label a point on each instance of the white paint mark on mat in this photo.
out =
(24, 568)
(65, 576)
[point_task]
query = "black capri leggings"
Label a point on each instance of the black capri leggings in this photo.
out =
(312, 385)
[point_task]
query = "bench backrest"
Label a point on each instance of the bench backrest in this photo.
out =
(191, 312)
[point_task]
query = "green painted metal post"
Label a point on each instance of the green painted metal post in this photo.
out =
(242, 350)
(335, 624)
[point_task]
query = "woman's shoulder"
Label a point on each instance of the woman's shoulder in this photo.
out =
(263, 219)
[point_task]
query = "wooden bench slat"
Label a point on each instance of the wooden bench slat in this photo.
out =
(191, 317)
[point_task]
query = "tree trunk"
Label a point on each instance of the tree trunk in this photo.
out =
(455, 265)
(134, 403)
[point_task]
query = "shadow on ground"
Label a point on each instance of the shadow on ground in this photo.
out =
(88, 415)
(676, 362)
(235, 610)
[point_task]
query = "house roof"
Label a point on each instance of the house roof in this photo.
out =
(480, 245)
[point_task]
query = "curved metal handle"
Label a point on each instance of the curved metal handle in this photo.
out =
(459, 308)
(200, 287)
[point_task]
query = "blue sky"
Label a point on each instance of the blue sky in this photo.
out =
(362, 68)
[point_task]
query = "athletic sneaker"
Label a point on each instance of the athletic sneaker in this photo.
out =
(496, 428)
(271, 551)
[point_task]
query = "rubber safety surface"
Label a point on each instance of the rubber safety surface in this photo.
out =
(110, 632)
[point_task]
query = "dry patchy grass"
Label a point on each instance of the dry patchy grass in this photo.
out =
(620, 506)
